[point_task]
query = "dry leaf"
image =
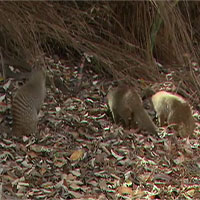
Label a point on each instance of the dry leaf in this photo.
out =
(42, 171)
(47, 185)
(145, 177)
(32, 154)
(163, 177)
(168, 145)
(60, 162)
(77, 195)
(40, 148)
(70, 177)
(190, 192)
(74, 187)
(103, 185)
(77, 155)
(180, 159)
(118, 157)
(123, 190)
(139, 194)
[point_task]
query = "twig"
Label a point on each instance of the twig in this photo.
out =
(2, 65)
(1, 191)
(80, 74)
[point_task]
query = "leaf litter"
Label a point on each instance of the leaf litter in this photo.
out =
(81, 154)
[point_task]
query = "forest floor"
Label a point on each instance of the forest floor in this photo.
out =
(82, 154)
